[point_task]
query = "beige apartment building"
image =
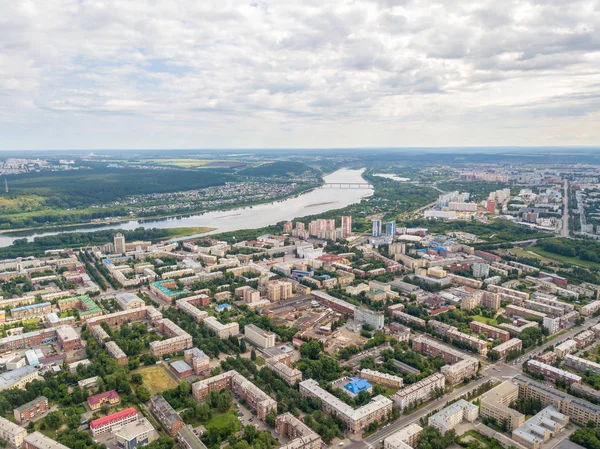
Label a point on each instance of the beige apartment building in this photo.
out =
(356, 419)
(495, 404)
(300, 436)
(419, 391)
(384, 379)
(282, 366)
(279, 291)
(405, 438)
(222, 331)
(259, 337)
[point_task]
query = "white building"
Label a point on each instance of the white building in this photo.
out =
(11, 433)
(405, 438)
(451, 416)
(259, 337)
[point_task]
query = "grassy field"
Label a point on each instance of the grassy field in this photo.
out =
(221, 420)
(156, 378)
(196, 163)
(183, 232)
(520, 252)
(485, 320)
(565, 259)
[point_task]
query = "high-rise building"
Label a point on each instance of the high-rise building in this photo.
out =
(376, 228)
(288, 227)
(390, 228)
(347, 224)
(481, 270)
(119, 243)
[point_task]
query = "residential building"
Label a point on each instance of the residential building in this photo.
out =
(198, 360)
(420, 391)
(30, 410)
(390, 229)
(580, 364)
(116, 353)
(566, 347)
(450, 417)
(347, 225)
(12, 433)
(580, 411)
(32, 310)
(590, 309)
(336, 304)
(187, 439)
(584, 338)
(300, 436)
(454, 334)
(495, 405)
(113, 421)
(540, 428)
(259, 337)
(503, 349)
(491, 331)
(106, 398)
(135, 434)
(256, 399)
(38, 440)
(364, 315)
(129, 301)
(376, 377)
(376, 228)
(552, 373)
(222, 331)
(523, 312)
(405, 438)
(481, 270)
(18, 378)
(119, 243)
(168, 418)
(279, 290)
(356, 419)
(282, 366)
(176, 339)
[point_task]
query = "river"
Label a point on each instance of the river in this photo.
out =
(314, 202)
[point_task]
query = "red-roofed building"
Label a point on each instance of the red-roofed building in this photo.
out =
(329, 258)
(110, 422)
(440, 310)
(107, 398)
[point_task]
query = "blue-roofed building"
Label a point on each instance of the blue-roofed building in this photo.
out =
(356, 385)
(222, 307)
(31, 310)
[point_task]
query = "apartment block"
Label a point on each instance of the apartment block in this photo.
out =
(579, 411)
(466, 282)
(566, 347)
(18, 378)
(198, 360)
(405, 438)
(521, 325)
(116, 353)
(32, 310)
(552, 373)
(168, 418)
(222, 331)
(450, 417)
(68, 338)
(590, 309)
(279, 290)
(491, 331)
(259, 337)
(376, 377)
(419, 391)
(523, 312)
(503, 349)
(12, 433)
(257, 399)
(495, 404)
(548, 309)
(356, 419)
(113, 421)
(176, 339)
(490, 300)
(336, 304)
(136, 434)
(38, 440)
(454, 334)
(409, 319)
(115, 319)
(190, 309)
(282, 366)
(540, 428)
(300, 436)
(579, 364)
(515, 297)
(30, 410)
(584, 338)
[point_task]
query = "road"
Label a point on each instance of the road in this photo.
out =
(564, 231)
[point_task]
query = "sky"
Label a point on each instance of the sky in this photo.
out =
(83, 74)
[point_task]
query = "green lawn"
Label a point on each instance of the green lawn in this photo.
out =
(484, 320)
(566, 259)
(222, 420)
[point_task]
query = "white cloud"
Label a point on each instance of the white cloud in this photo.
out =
(162, 74)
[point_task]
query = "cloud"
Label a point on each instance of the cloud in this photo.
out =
(94, 74)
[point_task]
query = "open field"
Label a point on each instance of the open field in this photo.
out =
(222, 420)
(197, 163)
(156, 378)
(565, 259)
(485, 320)
(183, 232)
(520, 252)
